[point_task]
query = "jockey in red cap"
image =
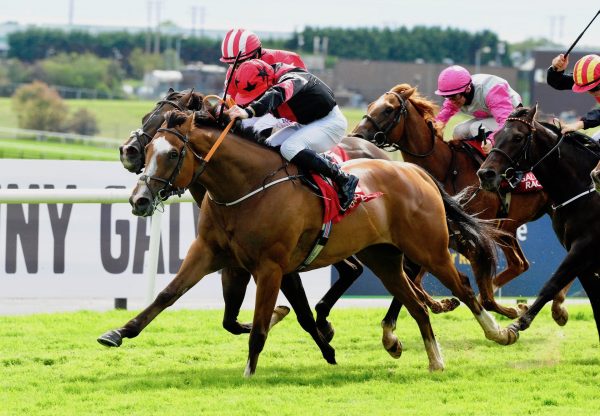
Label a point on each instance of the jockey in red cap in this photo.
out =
(301, 97)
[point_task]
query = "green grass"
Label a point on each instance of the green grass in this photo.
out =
(30, 149)
(184, 363)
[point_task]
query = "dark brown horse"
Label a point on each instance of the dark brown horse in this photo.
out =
(410, 218)
(562, 164)
(132, 154)
(596, 177)
(404, 120)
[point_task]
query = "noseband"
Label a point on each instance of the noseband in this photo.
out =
(380, 138)
(511, 174)
(168, 189)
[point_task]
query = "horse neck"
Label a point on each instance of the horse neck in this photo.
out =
(237, 167)
(416, 138)
(565, 171)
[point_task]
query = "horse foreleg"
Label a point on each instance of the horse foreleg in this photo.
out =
(348, 271)
(560, 314)
(197, 264)
(574, 264)
(389, 269)
(292, 288)
(235, 282)
(268, 283)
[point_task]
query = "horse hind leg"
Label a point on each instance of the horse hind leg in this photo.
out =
(349, 270)
(388, 268)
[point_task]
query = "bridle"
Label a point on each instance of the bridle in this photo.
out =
(168, 189)
(141, 132)
(380, 138)
(512, 174)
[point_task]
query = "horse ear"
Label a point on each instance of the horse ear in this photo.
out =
(194, 102)
(531, 114)
(408, 92)
(188, 124)
(170, 90)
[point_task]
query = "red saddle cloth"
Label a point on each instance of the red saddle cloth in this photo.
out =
(529, 183)
(331, 201)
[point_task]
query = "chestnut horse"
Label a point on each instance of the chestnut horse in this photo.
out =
(132, 154)
(409, 218)
(562, 165)
(403, 119)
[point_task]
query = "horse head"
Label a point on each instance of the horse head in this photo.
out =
(510, 157)
(400, 119)
(132, 151)
(383, 117)
(169, 164)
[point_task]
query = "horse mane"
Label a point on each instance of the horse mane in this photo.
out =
(426, 108)
(175, 118)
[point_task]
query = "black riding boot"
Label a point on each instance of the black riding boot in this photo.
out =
(310, 160)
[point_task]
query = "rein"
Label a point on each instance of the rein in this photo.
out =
(380, 138)
(517, 174)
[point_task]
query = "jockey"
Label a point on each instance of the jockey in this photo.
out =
(488, 98)
(299, 96)
(249, 46)
(585, 78)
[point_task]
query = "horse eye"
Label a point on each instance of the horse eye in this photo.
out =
(518, 138)
(388, 110)
(173, 154)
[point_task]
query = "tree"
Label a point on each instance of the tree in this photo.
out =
(83, 121)
(39, 107)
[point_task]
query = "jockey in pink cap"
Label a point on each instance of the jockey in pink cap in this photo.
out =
(487, 98)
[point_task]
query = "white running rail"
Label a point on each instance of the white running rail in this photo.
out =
(96, 196)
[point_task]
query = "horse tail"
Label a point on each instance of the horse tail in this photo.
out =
(473, 237)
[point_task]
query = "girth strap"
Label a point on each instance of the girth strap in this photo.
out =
(320, 242)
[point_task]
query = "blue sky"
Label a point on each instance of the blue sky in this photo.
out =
(512, 20)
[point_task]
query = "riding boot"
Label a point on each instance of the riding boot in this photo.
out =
(346, 183)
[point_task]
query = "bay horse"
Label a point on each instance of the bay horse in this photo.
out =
(401, 119)
(234, 281)
(562, 164)
(409, 218)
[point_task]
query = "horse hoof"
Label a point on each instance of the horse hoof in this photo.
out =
(451, 304)
(436, 307)
(111, 339)
(513, 334)
(560, 316)
(279, 313)
(523, 307)
(329, 355)
(326, 330)
(395, 350)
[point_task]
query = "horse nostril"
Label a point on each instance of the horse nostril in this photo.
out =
(130, 151)
(141, 204)
(486, 173)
